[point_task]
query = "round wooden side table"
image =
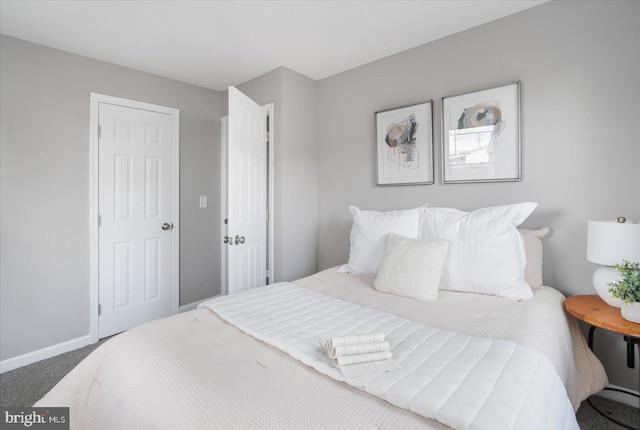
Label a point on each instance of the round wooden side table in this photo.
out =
(595, 312)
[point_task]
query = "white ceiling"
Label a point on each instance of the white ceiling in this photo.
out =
(215, 44)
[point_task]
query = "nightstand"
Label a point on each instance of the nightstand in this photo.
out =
(595, 312)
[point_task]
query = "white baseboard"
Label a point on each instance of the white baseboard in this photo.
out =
(192, 306)
(617, 396)
(61, 348)
(44, 353)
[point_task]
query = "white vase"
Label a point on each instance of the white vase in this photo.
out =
(631, 311)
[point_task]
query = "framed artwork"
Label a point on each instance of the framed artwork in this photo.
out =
(404, 145)
(481, 135)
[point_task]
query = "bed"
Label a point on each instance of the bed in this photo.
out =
(208, 369)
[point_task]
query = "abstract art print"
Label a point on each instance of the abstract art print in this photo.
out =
(404, 145)
(481, 135)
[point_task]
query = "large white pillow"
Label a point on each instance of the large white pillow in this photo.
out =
(368, 232)
(411, 267)
(486, 253)
(533, 251)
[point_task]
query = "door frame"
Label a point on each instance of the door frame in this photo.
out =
(224, 136)
(94, 200)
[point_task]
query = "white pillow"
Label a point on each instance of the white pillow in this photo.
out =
(486, 253)
(368, 232)
(533, 251)
(411, 267)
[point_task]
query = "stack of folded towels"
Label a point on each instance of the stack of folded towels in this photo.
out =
(360, 354)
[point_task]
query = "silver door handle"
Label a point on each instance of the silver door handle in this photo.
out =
(226, 240)
(239, 239)
(167, 226)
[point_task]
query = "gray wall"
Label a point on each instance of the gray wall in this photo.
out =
(579, 64)
(296, 168)
(44, 264)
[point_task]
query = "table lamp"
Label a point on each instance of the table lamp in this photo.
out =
(608, 243)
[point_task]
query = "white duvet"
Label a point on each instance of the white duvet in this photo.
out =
(540, 324)
(196, 371)
(462, 381)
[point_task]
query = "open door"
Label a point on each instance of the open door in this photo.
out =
(246, 238)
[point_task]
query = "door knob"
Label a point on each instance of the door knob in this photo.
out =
(167, 226)
(226, 239)
(239, 239)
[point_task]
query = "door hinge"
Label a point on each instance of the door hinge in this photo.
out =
(99, 309)
(99, 131)
(99, 220)
(267, 215)
(267, 137)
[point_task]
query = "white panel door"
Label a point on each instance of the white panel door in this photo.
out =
(246, 193)
(135, 207)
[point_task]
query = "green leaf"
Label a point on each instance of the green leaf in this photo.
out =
(627, 288)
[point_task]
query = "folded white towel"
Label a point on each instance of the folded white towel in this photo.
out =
(357, 338)
(360, 354)
(368, 368)
(359, 348)
(362, 358)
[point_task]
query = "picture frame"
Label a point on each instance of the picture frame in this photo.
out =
(481, 135)
(404, 145)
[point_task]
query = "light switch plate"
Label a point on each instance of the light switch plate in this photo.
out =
(203, 201)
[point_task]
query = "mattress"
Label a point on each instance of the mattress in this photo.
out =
(194, 370)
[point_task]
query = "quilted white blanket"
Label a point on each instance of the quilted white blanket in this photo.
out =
(462, 381)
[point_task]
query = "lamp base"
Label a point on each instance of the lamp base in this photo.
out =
(601, 279)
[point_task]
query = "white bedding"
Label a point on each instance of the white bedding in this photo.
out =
(462, 381)
(540, 324)
(194, 370)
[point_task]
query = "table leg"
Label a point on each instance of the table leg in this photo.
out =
(631, 341)
(590, 341)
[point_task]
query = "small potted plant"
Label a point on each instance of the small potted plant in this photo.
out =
(627, 289)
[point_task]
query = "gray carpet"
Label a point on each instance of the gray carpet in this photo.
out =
(26, 385)
(589, 419)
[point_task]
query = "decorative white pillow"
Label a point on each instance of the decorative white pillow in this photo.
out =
(533, 251)
(368, 232)
(486, 253)
(411, 267)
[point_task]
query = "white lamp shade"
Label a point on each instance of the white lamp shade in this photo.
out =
(610, 242)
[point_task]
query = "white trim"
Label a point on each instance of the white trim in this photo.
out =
(93, 216)
(619, 397)
(44, 353)
(192, 306)
(95, 100)
(224, 137)
(271, 166)
(270, 108)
